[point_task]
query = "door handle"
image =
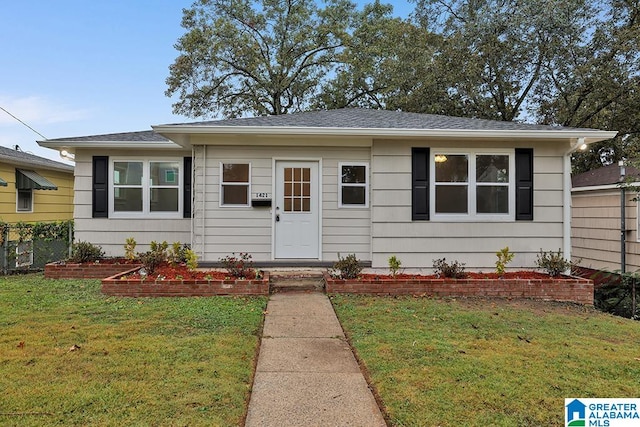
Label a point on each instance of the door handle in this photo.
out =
(277, 218)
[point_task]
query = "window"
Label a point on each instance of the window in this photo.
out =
(235, 184)
(353, 187)
(473, 184)
(24, 201)
(146, 187)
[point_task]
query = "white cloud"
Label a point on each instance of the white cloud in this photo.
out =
(35, 110)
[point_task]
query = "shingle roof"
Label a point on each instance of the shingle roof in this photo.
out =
(145, 135)
(20, 157)
(372, 119)
(606, 175)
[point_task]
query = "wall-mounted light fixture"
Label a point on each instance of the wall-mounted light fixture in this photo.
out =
(67, 156)
(440, 158)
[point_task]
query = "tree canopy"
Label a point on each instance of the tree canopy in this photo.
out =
(559, 62)
(259, 57)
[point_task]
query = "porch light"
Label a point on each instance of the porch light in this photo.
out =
(583, 147)
(67, 155)
(440, 158)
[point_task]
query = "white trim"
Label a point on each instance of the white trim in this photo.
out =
(236, 184)
(589, 136)
(603, 187)
(146, 188)
(365, 185)
(472, 185)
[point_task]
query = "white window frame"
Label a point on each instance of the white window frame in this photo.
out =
(472, 185)
(365, 185)
(18, 210)
(146, 188)
(244, 184)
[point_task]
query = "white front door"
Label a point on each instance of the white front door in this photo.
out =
(297, 207)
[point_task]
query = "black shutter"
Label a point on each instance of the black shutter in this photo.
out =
(100, 177)
(186, 193)
(419, 184)
(524, 184)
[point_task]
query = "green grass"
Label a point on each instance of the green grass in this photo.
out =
(164, 361)
(446, 362)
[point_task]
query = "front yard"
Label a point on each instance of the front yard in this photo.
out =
(452, 362)
(71, 356)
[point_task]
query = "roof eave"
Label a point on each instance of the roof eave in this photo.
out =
(38, 166)
(67, 144)
(590, 136)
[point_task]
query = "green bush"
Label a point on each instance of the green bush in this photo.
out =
(347, 268)
(394, 265)
(240, 267)
(84, 252)
(504, 258)
(553, 262)
(151, 259)
(454, 270)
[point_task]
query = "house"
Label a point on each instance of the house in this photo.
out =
(34, 189)
(596, 226)
(301, 188)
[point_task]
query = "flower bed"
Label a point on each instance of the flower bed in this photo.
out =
(127, 284)
(564, 288)
(95, 270)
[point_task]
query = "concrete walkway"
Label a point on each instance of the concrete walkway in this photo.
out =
(306, 373)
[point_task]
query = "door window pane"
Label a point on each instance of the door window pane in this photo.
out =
(297, 189)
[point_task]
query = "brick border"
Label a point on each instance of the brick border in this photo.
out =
(117, 286)
(566, 289)
(56, 270)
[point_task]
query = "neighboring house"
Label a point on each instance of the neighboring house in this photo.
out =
(596, 226)
(34, 189)
(304, 187)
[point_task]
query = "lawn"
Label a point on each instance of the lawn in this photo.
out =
(71, 356)
(453, 362)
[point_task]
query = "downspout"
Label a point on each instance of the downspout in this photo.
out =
(204, 180)
(566, 203)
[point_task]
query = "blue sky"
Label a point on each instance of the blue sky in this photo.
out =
(78, 67)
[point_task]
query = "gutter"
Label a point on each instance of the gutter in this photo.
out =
(587, 135)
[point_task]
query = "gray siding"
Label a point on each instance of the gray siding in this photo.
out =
(111, 233)
(418, 243)
(220, 231)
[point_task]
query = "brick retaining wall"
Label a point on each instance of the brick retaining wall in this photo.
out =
(84, 271)
(115, 286)
(570, 289)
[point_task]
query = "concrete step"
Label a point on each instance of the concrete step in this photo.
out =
(296, 281)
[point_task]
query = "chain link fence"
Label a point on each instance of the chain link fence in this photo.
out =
(29, 246)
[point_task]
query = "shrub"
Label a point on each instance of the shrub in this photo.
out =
(347, 268)
(394, 265)
(504, 258)
(86, 252)
(154, 257)
(130, 249)
(182, 254)
(553, 262)
(240, 266)
(455, 270)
